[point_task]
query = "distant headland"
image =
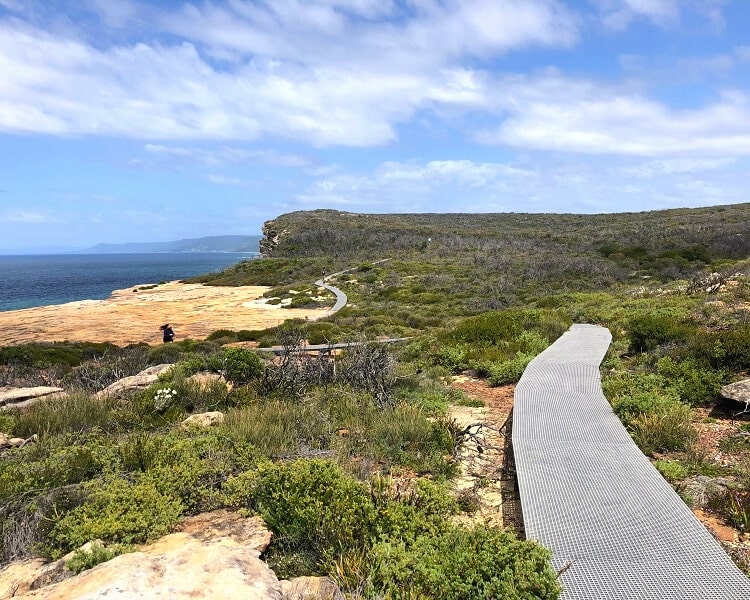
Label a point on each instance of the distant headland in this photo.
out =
(216, 243)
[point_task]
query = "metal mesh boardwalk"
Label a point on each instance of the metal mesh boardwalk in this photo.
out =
(591, 496)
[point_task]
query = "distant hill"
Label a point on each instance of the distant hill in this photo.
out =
(216, 243)
(496, 260)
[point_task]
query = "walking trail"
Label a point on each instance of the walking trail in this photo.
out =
(616, 528)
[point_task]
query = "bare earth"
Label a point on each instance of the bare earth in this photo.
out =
(194, 311)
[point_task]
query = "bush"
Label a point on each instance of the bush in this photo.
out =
(665, 430)
(403, 436)
(70, 354)
(83, 560)
(499, 326)
(651, 330)
(311, 506)
(280, 428)
(732, 348)
(222, 334)
(241, 365)
(509, 371)
(695, 383)
(116, 510)
(452, 358)
(636, 394)
(481, 563)
(55, 462)
(165, 353)
(74, 412)
(671, 470)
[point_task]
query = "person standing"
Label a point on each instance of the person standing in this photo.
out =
(168, 333)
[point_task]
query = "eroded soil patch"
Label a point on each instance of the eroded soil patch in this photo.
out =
(486, 478)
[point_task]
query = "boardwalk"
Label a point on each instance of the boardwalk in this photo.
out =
(594, 499)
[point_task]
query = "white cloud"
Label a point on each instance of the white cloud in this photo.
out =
(678, 165)
(544, 185)
(228, 155)
(326, 72)
(28, 217)
(619, 14)
(454, 172)
(346, 73)
(224, 180)
(552, 112)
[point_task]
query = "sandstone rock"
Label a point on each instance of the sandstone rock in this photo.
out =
(24, 576)
(183, 565)
(14, 396)
(207, 378)
(135, 382)
(311, 588)
(738, 391)
(204, 419)
(222, 523)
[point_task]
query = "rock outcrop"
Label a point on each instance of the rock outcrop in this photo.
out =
(310, 588)
(135, 382)
(204, 419)
(270, 239)
(12, 396)
(738, 391)
(16, 442)
(214, 555)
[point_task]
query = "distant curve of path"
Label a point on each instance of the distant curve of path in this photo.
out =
(591, 496)
(341, 298)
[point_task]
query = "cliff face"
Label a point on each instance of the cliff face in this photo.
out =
(270, 239)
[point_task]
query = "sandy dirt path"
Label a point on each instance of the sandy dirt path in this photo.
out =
(127, 316)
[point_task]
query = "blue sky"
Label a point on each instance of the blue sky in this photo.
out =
(123, 120)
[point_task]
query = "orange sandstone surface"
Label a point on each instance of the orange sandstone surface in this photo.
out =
(128, 316)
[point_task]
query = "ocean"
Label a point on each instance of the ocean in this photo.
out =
(27, 281)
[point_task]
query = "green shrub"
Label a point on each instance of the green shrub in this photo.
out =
(8, 422)
(191, 466)
(404, 436)
(323, 333)
(648, 331)
(55, 462)
(116, 510)
(86, 559)
(481, 563)
(509, 371)
(279, 427)
(73, 412)
(222, 334)
(696, 384)
(452, 358)
(241, 365)
(165, 353)
(311, 506)
(665, 430)
(732, 348)
(636, 394)
(671, 470)
(42, 355)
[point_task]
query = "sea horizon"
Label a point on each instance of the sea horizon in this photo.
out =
(31, 280)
